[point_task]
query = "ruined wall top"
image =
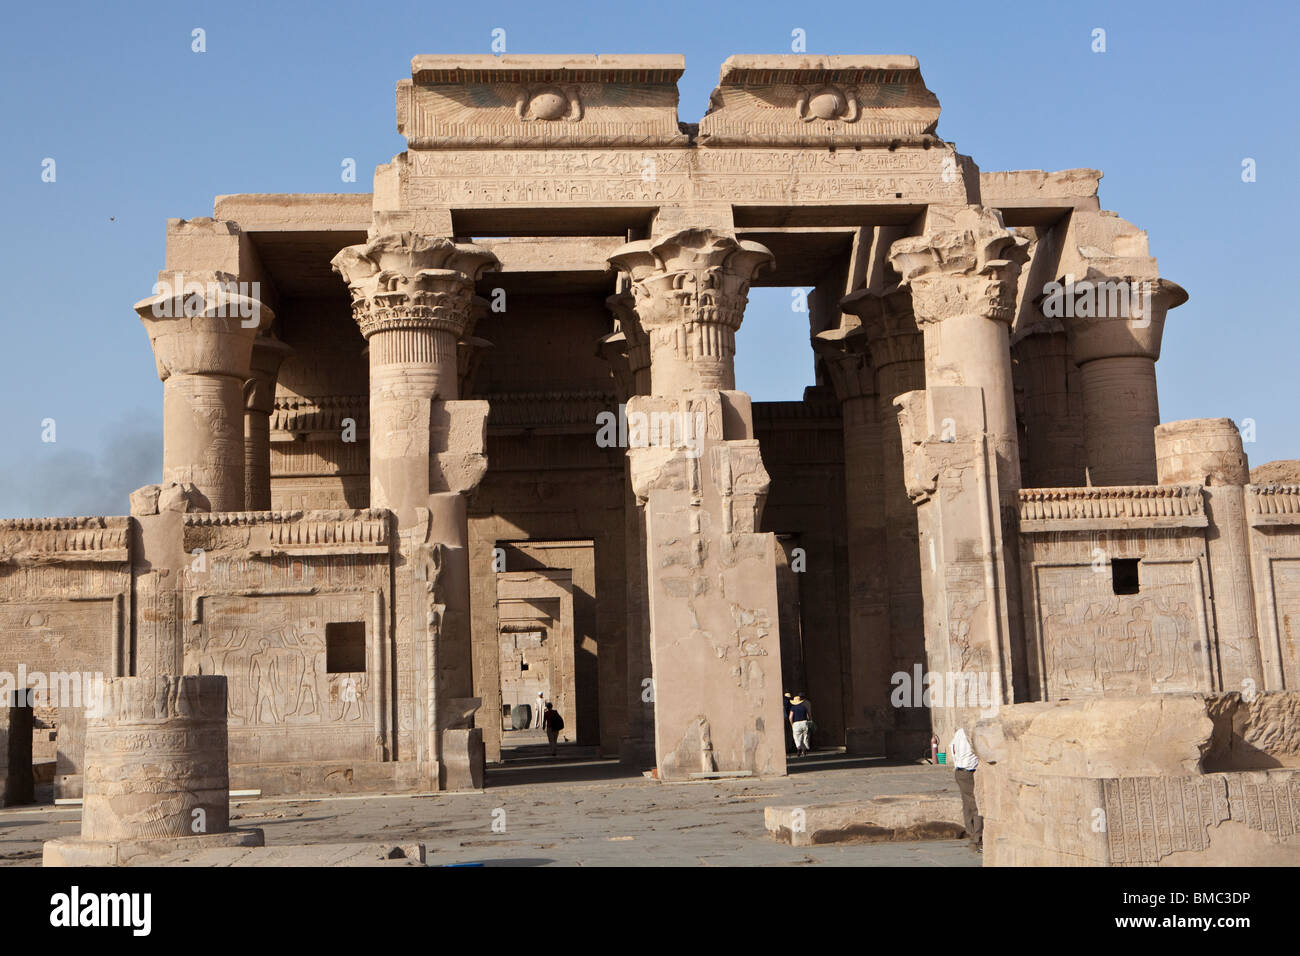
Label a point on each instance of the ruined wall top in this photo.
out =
(486, 102)
(821, 101)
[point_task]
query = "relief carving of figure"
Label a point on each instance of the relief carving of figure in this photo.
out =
(263, 674)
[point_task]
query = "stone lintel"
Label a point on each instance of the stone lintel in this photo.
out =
(454, 102)
(551, 254)
(296, 212)
(792, 100)
(1028, 189)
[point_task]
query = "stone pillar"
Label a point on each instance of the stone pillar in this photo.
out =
(1053, 456)
(848, 366)
(259, 402)
(962, 460)
(1115, 325)
(696, 467)
(202, 337)
(1208, 452)
(898, 356)
(157, 775)
(413, 298)
(963, 275)
(129, 792)
(627, 350)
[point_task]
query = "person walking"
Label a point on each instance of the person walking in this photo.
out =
(965, 763)
(553, 723)
(800, 718)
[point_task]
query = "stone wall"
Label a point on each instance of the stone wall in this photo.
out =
(1168, 780)
(1273, 515)
(1091, 630)
(293, 608)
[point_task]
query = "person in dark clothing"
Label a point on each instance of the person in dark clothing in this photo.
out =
(800, 720)
(785, 719)
(553, 723)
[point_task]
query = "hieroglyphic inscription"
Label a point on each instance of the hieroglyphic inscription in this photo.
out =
(1149, 818)
(657, 176)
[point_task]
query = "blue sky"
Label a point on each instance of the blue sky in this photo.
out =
(141, 128)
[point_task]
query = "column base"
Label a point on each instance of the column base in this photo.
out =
(140, 852)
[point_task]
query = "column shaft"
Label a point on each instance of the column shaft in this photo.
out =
(1121, 410)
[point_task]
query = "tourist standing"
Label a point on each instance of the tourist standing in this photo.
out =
(965, 762)
(553, 723)
(800, 718)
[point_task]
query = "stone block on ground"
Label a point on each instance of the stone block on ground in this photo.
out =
(881, 819)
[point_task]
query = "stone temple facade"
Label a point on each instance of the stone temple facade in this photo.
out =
(476, 434)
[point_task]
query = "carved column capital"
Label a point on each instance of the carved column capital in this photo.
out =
(888, 324)
(689, 293)
(847, 361)
(1111, 316)
(203, 324)
(408, 281)
(202, 329)
(264, 369)
(966, 264)
(471, 349)
(627, 348)
(413, 298)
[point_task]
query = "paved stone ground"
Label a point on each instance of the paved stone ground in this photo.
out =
(573, 810)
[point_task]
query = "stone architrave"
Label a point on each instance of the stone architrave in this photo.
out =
(413, 299)
(202, 330)
(697, 470)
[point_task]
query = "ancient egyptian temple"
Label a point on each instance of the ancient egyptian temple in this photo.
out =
(475, 435)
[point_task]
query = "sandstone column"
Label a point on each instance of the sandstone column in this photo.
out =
(1208, 452)
(848, 366)
(202, 338)
(156, 773)
(962, 458)
(696, 467)
(259, 402)
(413, 298)
(627, 350)
(963, 274)
(898, 356)
(1053, 457)
(1115, 325)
